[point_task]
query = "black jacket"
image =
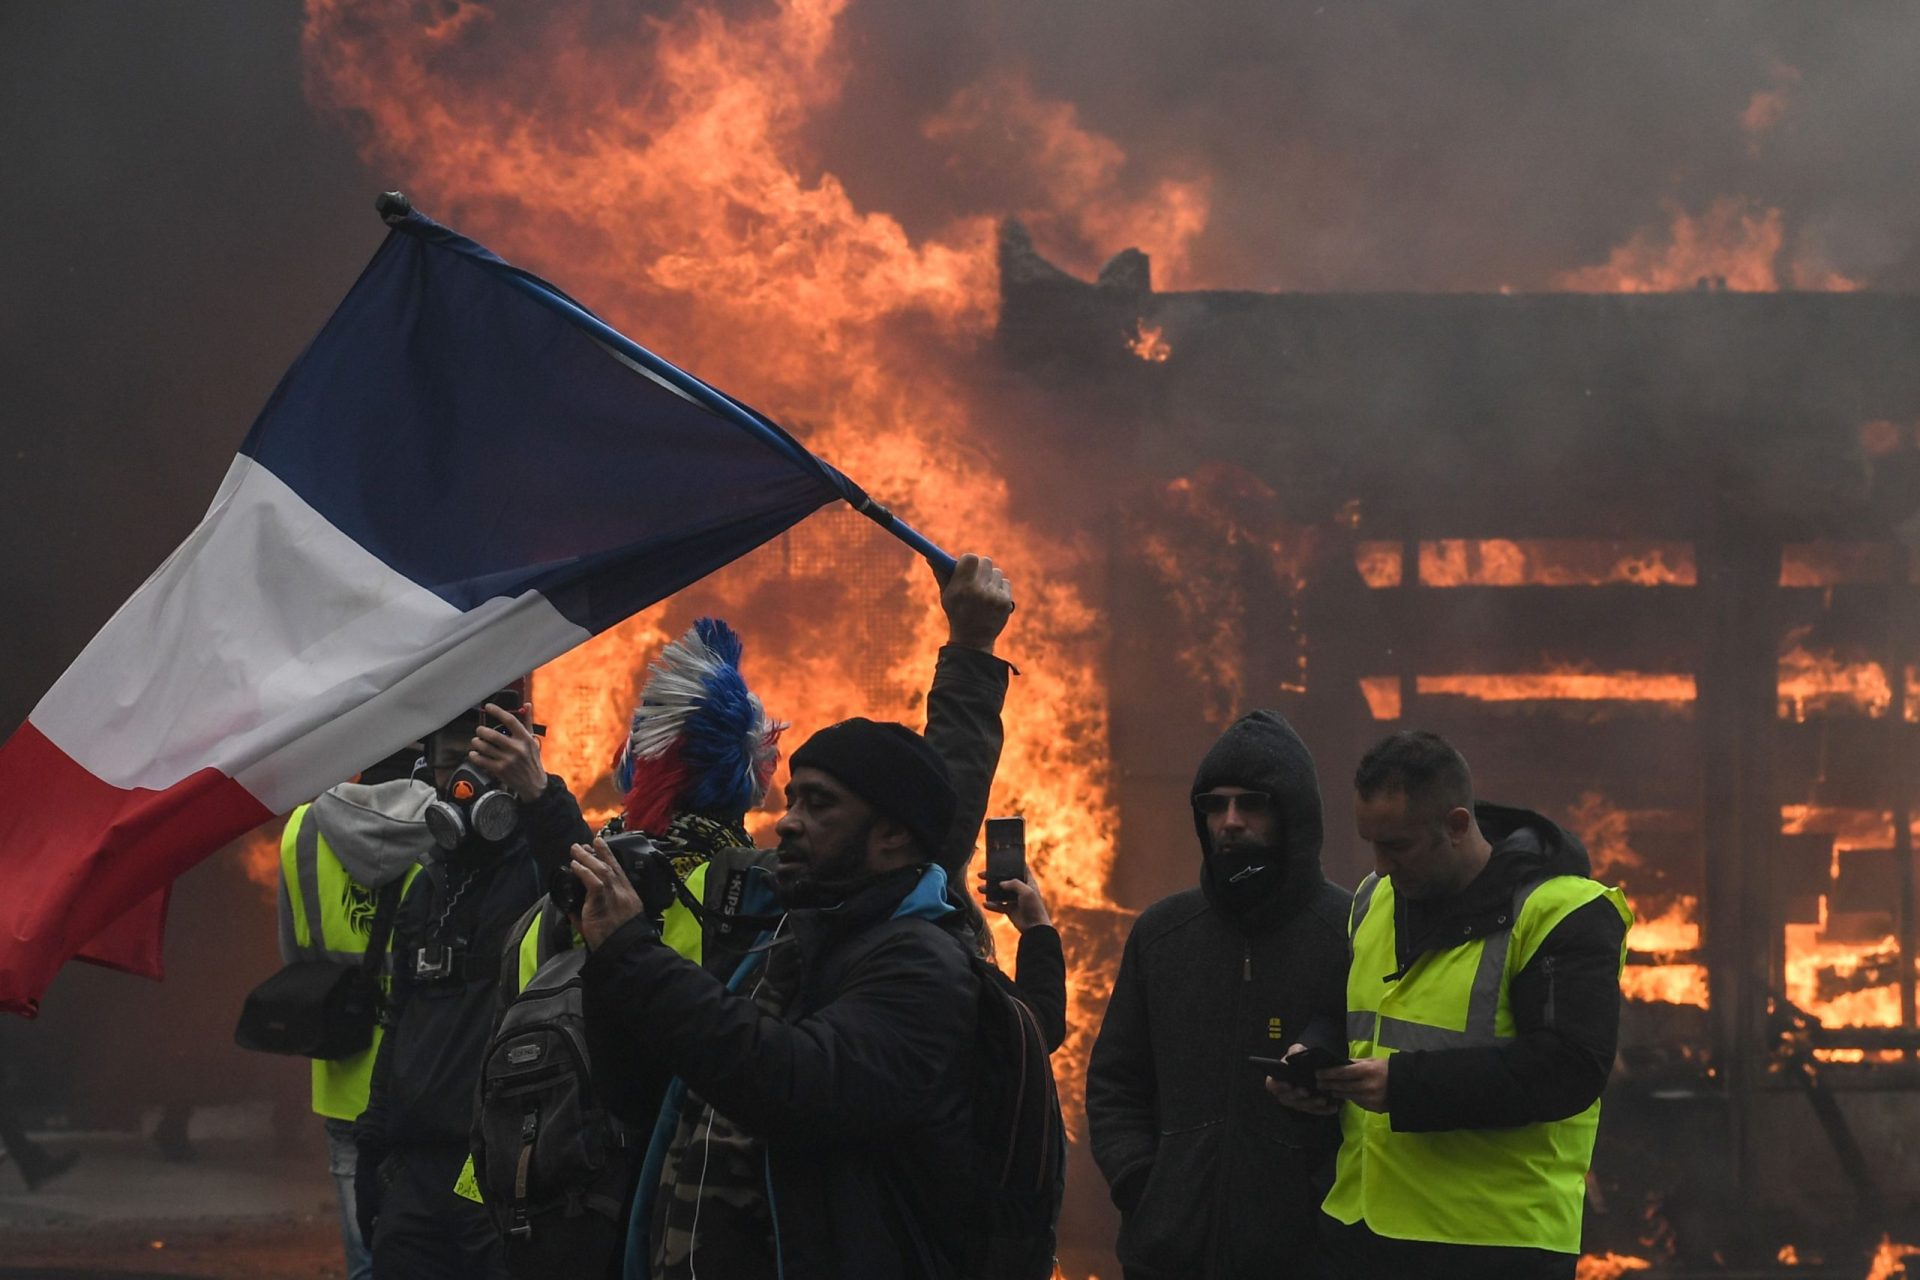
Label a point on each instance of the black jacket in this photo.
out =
(963, 724)
(1565, 1001)
(1040, 976)
(859, 1088)
(422, 1088)
(1212, 1176)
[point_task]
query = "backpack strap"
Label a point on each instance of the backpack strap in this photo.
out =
(518, 1226)
(510, 954)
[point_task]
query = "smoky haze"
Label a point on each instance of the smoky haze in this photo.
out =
(177, 220)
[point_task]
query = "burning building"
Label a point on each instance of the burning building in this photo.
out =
(1647, 559)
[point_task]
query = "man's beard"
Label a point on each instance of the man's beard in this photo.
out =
(826, 880)
(1245, 872)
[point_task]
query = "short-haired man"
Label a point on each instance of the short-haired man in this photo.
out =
(1483, 1005)
(859, 1086)
(1212, 1180)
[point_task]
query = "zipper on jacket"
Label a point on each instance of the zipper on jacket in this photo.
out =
(1246, 968)
(1549, 963)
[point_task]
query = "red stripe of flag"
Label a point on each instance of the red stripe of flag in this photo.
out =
(73, 846)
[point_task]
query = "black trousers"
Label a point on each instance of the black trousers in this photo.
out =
(426, 1232)
(1355, 1253)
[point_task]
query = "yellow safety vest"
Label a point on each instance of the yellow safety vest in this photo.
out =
(332, 917)
(1521, 1187)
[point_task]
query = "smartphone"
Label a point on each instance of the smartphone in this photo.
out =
(1006, 855)
(1299, 1070)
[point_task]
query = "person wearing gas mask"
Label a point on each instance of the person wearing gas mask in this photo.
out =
(501, 824)
(1211, 1178)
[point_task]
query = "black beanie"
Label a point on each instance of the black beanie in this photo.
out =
(890, 767)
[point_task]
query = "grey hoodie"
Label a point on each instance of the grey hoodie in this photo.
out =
(376, 831)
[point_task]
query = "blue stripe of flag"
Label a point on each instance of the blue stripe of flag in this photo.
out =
(481, 442)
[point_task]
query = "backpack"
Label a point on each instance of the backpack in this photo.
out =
(554, 1167)
(1019, 1140)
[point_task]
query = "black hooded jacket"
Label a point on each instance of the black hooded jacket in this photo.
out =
(1212, 1176)
(422, 1088)
(1565, 1002)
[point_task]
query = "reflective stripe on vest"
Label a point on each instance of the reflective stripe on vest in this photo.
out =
(329, 909)
(301, 854)
(1516, 1187)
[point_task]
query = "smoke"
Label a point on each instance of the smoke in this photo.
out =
(1419, 146)
(180, 217)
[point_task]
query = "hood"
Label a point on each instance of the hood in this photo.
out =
(1261, 752)
(376, 831)
(1528, 846)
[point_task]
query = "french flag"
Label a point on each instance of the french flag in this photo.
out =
(465, 475)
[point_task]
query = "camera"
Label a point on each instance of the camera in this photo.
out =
(647, 868)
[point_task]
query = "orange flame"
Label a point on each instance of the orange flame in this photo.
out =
(693, 214)
(1210, 542)
(1734, 245)
(1383, 696)
(259, 855)
(1889, 1260)
(1608, 1266)
(1565, 683)
(1554, 562)
(1149, 343)
(1824, 683)
(1379, 563)
(1606, 831)
(1827, 564)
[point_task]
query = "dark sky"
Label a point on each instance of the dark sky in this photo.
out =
(175, 220)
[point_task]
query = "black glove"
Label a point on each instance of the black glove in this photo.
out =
(368, 1189)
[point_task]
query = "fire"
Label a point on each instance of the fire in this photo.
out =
(1072, 178)
(1734, 245)
(1149, 343)
(1564, 683)
(1843, 983)
(1383, 696)
(661, 172)
(1890, 1259)
(259, 855)
(1768, 107)
(1531, 562)
(1827, 564)
(1607, 1266)
(1675, 930)
(1825, 683)
(1207, 539)
(1379, 563)
(1554, 562)
(1605, 830)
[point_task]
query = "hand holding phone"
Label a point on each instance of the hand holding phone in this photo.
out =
(1006, 856)
(1299, 1069)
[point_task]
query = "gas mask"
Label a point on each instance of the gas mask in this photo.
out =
(473, 804)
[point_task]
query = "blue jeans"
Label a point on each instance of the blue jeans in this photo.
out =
(342, 1155)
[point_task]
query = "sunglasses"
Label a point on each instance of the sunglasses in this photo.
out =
(1213, 803)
